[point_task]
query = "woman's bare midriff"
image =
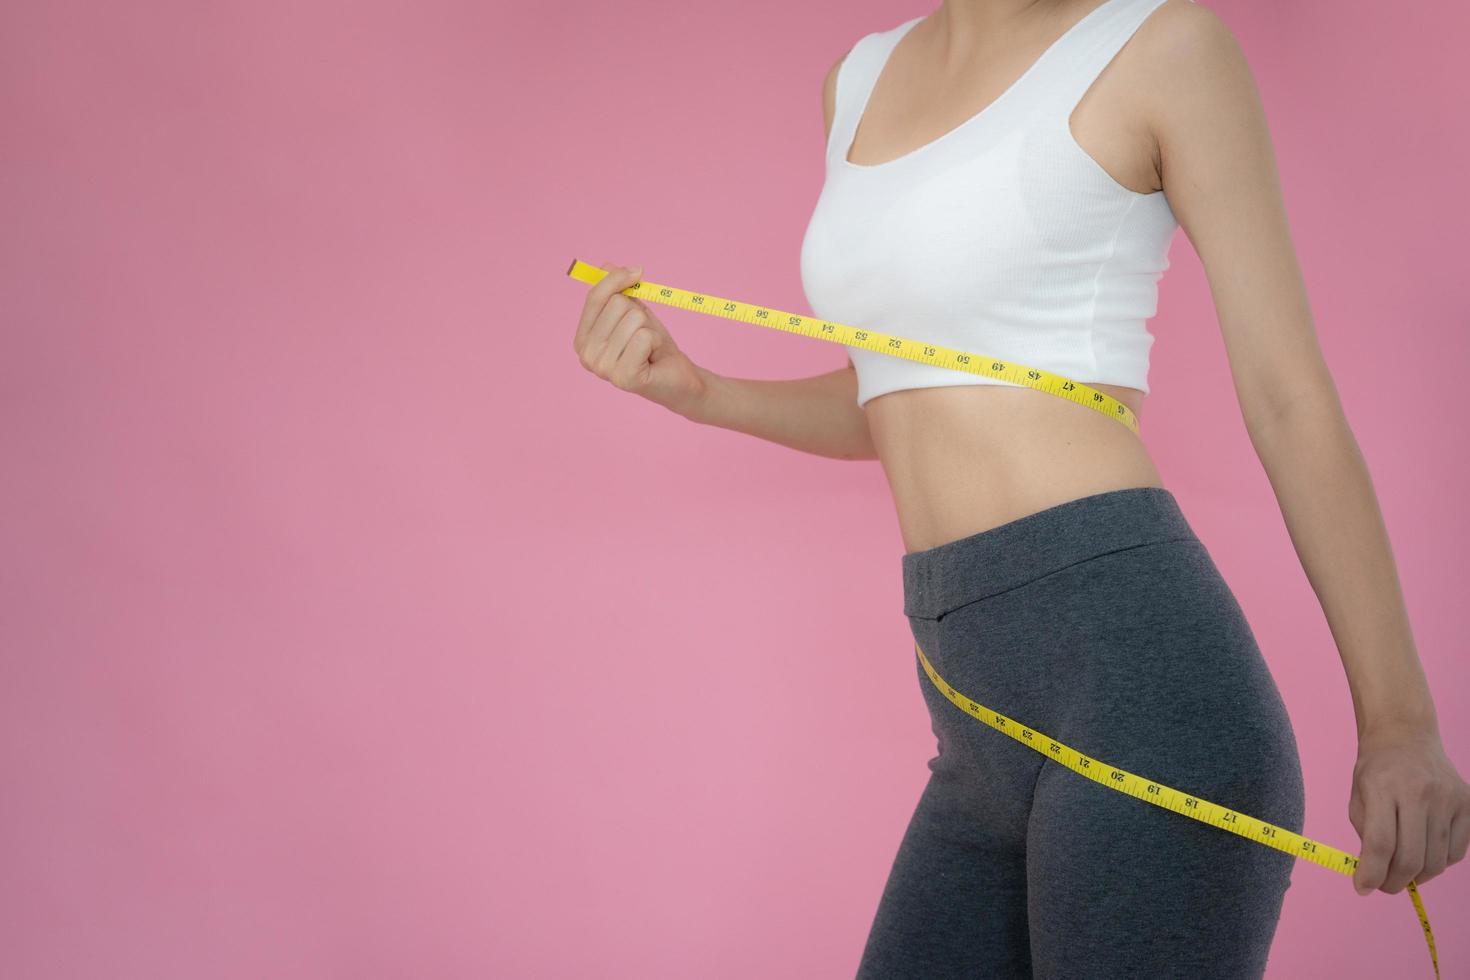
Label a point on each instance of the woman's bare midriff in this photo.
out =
(962, 459)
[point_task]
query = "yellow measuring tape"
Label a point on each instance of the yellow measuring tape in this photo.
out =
(868, 339)
(1100, 772)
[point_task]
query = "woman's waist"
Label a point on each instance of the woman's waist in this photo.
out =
(961, 460)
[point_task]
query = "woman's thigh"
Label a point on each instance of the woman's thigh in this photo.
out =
(954, 904)
(1165, 680)
(1119, 888)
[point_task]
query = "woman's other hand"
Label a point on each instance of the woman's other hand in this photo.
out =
(1409, 806)
(620, 340)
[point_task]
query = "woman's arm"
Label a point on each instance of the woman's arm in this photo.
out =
(817, 415)
(620, 339)
(1408, 804)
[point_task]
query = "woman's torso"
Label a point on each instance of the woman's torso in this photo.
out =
(960, 460)
(964, 458)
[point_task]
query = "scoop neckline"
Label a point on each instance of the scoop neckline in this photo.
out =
(944, 137)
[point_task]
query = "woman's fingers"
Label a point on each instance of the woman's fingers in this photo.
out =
(1460, 830)
(1411, 819)
(630, 370)
(1448, 833)
(1436, 840)
(1409, 805)
(600, 333)
(615, 305)
(620, 339)
(631, 318)
(606, 290)
(1379, 837)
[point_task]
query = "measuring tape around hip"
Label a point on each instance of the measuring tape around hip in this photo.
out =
(1100, 772)
(1169, 798)
(869, 339)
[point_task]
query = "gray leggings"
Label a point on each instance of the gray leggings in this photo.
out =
(1103, 623)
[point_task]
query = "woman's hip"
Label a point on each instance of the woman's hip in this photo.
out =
(1104, 623)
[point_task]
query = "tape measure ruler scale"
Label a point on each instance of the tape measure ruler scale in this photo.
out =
(873, 340)
(1138, 787)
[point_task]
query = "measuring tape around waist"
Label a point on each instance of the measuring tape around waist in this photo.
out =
(873, 340)
(1112, 777)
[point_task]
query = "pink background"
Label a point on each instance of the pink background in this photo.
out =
(350, 629)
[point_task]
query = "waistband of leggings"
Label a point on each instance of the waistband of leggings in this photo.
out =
(957, 572)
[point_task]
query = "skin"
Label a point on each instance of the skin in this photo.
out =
(1178, 112)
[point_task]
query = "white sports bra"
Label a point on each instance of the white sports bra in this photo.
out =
(1001, 238)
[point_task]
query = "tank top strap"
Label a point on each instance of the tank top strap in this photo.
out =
(856, 77)
(1082, 53)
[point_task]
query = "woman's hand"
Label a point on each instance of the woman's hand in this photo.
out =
(1409, 806)
(620, 340)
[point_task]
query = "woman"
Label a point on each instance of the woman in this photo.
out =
(1004, 177)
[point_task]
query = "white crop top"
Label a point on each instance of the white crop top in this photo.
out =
(1002, 237)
